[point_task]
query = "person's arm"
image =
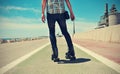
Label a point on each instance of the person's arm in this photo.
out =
(43, 10)
(70, 9)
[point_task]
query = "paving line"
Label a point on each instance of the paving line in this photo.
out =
(19, 60)
(104, 60)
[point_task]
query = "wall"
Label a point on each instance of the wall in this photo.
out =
(108, 34)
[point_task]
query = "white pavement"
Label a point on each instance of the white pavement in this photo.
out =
(21, 59)
(39, 62)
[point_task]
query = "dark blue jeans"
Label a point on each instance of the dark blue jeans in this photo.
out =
(51, 19)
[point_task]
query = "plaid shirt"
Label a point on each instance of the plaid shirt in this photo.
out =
(55, 6)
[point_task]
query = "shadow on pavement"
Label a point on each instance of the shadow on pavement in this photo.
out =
(78, 60)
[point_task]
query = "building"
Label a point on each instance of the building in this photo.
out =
(109, 18)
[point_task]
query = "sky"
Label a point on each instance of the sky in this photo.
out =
(22, 18)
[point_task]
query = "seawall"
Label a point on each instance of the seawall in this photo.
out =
(107, 34)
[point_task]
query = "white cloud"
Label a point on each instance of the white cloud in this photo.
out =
(15, 26)
(19, 8)
(81, 25)
(36, 27)
(22, 27)
(21, 23)
(21, 20)
(85, 26)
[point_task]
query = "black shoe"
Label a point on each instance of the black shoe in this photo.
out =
(55, 59)
(68, 56)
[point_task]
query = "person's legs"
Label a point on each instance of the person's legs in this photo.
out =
(51, 26)
(62, 23)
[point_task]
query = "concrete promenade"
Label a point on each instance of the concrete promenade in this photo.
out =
(40, 62)
(106, 49)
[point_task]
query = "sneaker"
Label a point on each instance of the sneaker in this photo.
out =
(55, 59)
(68, 56)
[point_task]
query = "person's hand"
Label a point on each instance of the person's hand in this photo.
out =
(43, 18)
(72, 17)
